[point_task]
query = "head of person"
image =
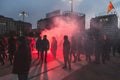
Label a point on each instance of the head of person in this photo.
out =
(21, 40)
(45, 36)
(53, 38)
(65, 37)
(39, 37)
(73, 38)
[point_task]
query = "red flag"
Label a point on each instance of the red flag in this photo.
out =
(110, 6)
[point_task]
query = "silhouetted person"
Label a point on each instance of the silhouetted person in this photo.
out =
(66, 52)
(89, 47)
(39, 45)
(5, 43)
(32, 43)
(45, 48)
(118, 43)
(54, 46)
(80, 48)
(98, 47)
(73, 49)
(2, 51)
(11, 48)
(22, 60)
(114, 47)
(106, 49)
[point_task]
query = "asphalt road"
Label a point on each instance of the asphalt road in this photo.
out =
(92, 71)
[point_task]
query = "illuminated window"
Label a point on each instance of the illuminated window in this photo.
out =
(100, 20)
(106, 19)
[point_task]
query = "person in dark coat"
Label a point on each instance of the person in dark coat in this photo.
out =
(22, 60)
(54, 46)
(80, 48)
(39, 45)
(45, 48)
(2, 51)
(66, 52)
(11, 48)
(73, 49)
(88, 47)
(106, 49)
(98, 48)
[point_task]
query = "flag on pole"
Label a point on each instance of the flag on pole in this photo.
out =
(110, 7)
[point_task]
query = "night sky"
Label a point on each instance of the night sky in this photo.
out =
(37, 9)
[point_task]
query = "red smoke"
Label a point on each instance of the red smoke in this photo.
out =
(62, 26)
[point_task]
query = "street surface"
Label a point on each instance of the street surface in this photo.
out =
(81, 70)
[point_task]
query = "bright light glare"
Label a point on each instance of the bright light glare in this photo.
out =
(23, 14)
(70, 1)
(26, 15)
(20, 14)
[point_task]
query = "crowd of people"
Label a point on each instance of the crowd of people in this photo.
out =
(43, 45)
(18, 51)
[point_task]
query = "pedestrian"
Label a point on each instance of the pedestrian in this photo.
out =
(66, 52)
(2, 51)
(89, 47)
(114, 47)
(39, 45)
(73, 49)
(11, 48)
(22, 60)
(98, 47)
(80, 48)
(54, 46)
(45, 48)
(106, 49)
(32, 43)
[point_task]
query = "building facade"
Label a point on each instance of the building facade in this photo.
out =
(8, 25)
(47, 22)
(106, 24)
(23, 27)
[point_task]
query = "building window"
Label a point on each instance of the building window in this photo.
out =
(106, 19)
(100, 20)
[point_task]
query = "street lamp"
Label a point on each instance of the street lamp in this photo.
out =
(71, 2)
(23, 14)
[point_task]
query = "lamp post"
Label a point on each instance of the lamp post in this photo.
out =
(71, 3)
(23, 14)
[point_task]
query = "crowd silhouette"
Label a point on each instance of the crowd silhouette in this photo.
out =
(18, 50)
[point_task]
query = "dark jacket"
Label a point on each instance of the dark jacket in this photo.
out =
(45, 43)
(66, 47)
(11, 45)
(2, 47)
(39, 44)
(22, 60)
(54, 45)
